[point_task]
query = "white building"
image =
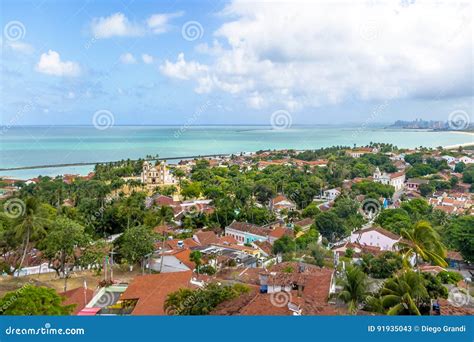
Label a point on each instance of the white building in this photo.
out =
(449, 159)
(280, 202)
(466, 160)
(396, 179)
(376, 237)
(331, 194)
(158, 174)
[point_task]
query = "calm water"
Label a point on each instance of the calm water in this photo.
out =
(23, 146)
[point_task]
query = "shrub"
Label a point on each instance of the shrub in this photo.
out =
(449, 277)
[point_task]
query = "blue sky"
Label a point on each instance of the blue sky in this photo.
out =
(220, 62)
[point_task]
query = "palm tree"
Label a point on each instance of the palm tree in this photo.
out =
(178, 173)
(30, 225)
(177, 302)
(354, 288)
(374, 304)
(196, 257)
(423, 241)
(404, 294)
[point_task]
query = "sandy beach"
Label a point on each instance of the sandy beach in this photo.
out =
(471, 134)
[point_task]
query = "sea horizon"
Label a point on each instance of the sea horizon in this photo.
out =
(35, 145)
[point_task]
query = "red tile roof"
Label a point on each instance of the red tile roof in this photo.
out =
(163, 229)
(265, 246)
(227, 240)
(278, 232)
(447, 309)
(453, 255)
(280, 198)
(183, 256)
(206, 238)
(164, 200)
(151, 291)
(79, 296)
(312, 300)
(396, 174)
(304, 222)
(249, 227)
(187, 243)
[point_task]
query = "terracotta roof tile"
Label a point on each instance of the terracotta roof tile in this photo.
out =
(304, 222)
(187, 243)
(206, 238)
(312, 300)
(151, 291)
(448, 309)
(78, 297)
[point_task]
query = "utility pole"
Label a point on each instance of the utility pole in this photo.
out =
(65, 274)
(112, 264)
(85, 292)
(162, 250)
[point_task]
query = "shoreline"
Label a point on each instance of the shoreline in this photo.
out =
(450, 147)
(82, 168)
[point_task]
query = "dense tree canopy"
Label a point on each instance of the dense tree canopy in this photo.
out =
(31, 300)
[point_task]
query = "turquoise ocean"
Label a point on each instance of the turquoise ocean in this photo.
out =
(40, 145)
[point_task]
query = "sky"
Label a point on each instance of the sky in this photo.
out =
(234, 62)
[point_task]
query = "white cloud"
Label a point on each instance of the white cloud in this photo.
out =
(147, 59)
(305, 54)
(50, 63)
(20, 47)
(127, 58)
(116, 24)
(159, 23)
(182, 69)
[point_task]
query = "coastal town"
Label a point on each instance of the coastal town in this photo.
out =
(362, 230)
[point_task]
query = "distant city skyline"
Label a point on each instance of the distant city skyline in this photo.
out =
(235, 62)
